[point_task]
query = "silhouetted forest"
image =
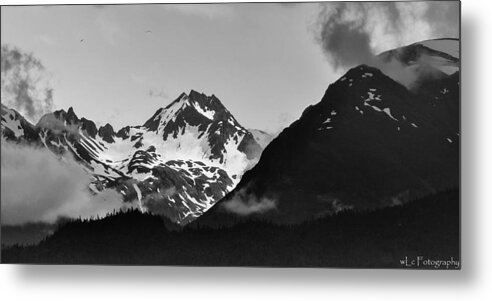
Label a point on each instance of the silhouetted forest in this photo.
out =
(427, 227)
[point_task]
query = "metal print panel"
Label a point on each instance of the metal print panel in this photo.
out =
(247, 134)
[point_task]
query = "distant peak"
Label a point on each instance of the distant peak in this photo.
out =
(441, 54)
(206, 101)
(362, 71)
(107, 133)
(107, 126)
(195, 93)
(71, 117)
(71, 113)
(59, 112)
(198, 97)
(193, 104)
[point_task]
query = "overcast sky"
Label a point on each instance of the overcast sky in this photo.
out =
(262, 61)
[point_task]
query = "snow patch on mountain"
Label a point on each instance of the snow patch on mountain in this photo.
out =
(10, 122)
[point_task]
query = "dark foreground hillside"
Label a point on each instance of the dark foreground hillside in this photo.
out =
(428, 227)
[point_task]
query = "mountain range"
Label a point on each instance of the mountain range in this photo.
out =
(370, 142)
(178, 163)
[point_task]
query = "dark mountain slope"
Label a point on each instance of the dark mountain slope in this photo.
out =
(368, 143)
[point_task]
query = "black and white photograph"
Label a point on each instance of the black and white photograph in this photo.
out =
(294, 135)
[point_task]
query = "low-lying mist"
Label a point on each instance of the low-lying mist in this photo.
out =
(39, 187)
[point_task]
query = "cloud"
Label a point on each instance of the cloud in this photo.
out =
(352, 33)
(25, 84)
(39, 187)
(245, 204)
(401, 198)
(158, 202)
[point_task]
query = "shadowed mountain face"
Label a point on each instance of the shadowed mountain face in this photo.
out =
(186, 157)
(370, 142)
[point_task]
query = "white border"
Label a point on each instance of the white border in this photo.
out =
(473, 282)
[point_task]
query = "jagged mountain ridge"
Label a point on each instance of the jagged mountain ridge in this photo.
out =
(181, 161)
(211, 123)
(369, 143)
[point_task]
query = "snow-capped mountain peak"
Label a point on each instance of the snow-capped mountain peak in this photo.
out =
(196, 109)
(205, 130)
(181, 161)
